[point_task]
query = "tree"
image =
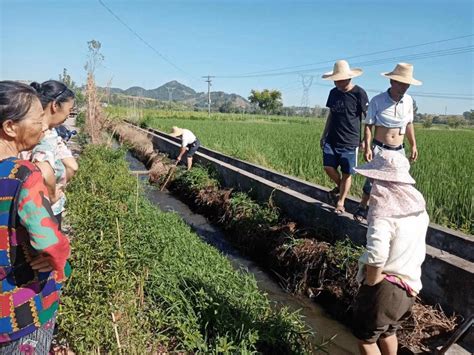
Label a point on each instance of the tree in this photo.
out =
(267, 100)
(455, 121)
(67, 80)
(95, 119)
(469, 115)
(427, 121)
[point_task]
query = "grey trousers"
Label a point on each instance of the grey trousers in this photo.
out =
(37, 343)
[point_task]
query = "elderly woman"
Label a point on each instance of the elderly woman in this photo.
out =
(51, 155)
(33, 252)
(390, 269)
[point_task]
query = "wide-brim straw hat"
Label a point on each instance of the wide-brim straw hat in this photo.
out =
(176, 131)
(403, 73)
(389, 165)
(342, 71)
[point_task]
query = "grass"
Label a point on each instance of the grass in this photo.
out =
(291, 145)
(167, 289)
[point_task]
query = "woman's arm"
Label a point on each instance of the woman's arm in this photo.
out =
(71, 166)
(49, 179)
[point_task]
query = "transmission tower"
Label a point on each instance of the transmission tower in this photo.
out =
(170, 93)
(306, 81)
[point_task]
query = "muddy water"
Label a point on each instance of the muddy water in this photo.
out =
(321, 324)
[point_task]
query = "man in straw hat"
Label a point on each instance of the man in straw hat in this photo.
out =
(189, 143)
(391, 112)
(341, 136)
(390, 268)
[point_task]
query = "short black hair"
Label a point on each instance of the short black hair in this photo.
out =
(15, 100)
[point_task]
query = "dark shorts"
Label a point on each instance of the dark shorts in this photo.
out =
(346, 158)
(379, 311)
(193, 147)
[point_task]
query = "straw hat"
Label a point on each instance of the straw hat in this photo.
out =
(342, 71)
(389, 165)
(403, 73)
(176, 132)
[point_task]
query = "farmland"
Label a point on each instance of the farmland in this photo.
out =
(291, 145)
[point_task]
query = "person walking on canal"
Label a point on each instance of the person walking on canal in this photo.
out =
(341, 136)
(391, 112)
(189, 144)
(390, 268)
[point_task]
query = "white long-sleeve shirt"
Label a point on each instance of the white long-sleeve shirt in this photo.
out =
(398, 246)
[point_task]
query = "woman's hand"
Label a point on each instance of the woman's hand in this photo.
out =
(41, 263)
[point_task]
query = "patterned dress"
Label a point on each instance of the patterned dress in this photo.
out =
(52, 149)
(28, 298)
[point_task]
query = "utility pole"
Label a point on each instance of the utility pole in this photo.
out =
(208, 81)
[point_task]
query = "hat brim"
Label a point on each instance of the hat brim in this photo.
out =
(353, 73)
(402, 79)
(390, 176)
(176, 134)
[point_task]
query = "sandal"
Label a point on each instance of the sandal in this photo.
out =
(339, 210)
(333, 195)
(361, 213)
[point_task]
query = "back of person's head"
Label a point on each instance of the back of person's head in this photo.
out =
(15, 100)
(53, 90)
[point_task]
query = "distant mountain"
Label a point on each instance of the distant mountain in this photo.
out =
(178, 92)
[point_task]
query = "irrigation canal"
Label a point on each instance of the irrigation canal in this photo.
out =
(314, 316)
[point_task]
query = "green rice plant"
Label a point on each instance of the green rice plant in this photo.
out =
(291, 145)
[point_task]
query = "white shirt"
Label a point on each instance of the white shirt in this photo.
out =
(188, 137)
(384, 111)
(398, 246)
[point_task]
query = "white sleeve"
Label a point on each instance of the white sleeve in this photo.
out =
(371, 112)
(379, 234)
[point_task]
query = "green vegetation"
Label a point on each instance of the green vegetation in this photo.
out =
(167, 289)
(291, 145)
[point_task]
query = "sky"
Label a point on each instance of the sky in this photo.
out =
(229, 39)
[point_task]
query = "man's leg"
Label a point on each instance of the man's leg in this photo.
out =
(344, 187)
(389, 345)
(190, 162)
(368, 348)
(333, 174)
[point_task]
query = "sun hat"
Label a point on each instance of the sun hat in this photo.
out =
(342, 71)
(403, 73)
(176, 131)
(389, 165)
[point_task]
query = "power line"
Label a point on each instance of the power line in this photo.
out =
(162, 56)
(419, 94)
(359, 55)
(417, 56)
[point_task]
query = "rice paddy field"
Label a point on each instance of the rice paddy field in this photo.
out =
(291, 145)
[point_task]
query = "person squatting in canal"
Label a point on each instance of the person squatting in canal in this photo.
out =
(189, 144)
